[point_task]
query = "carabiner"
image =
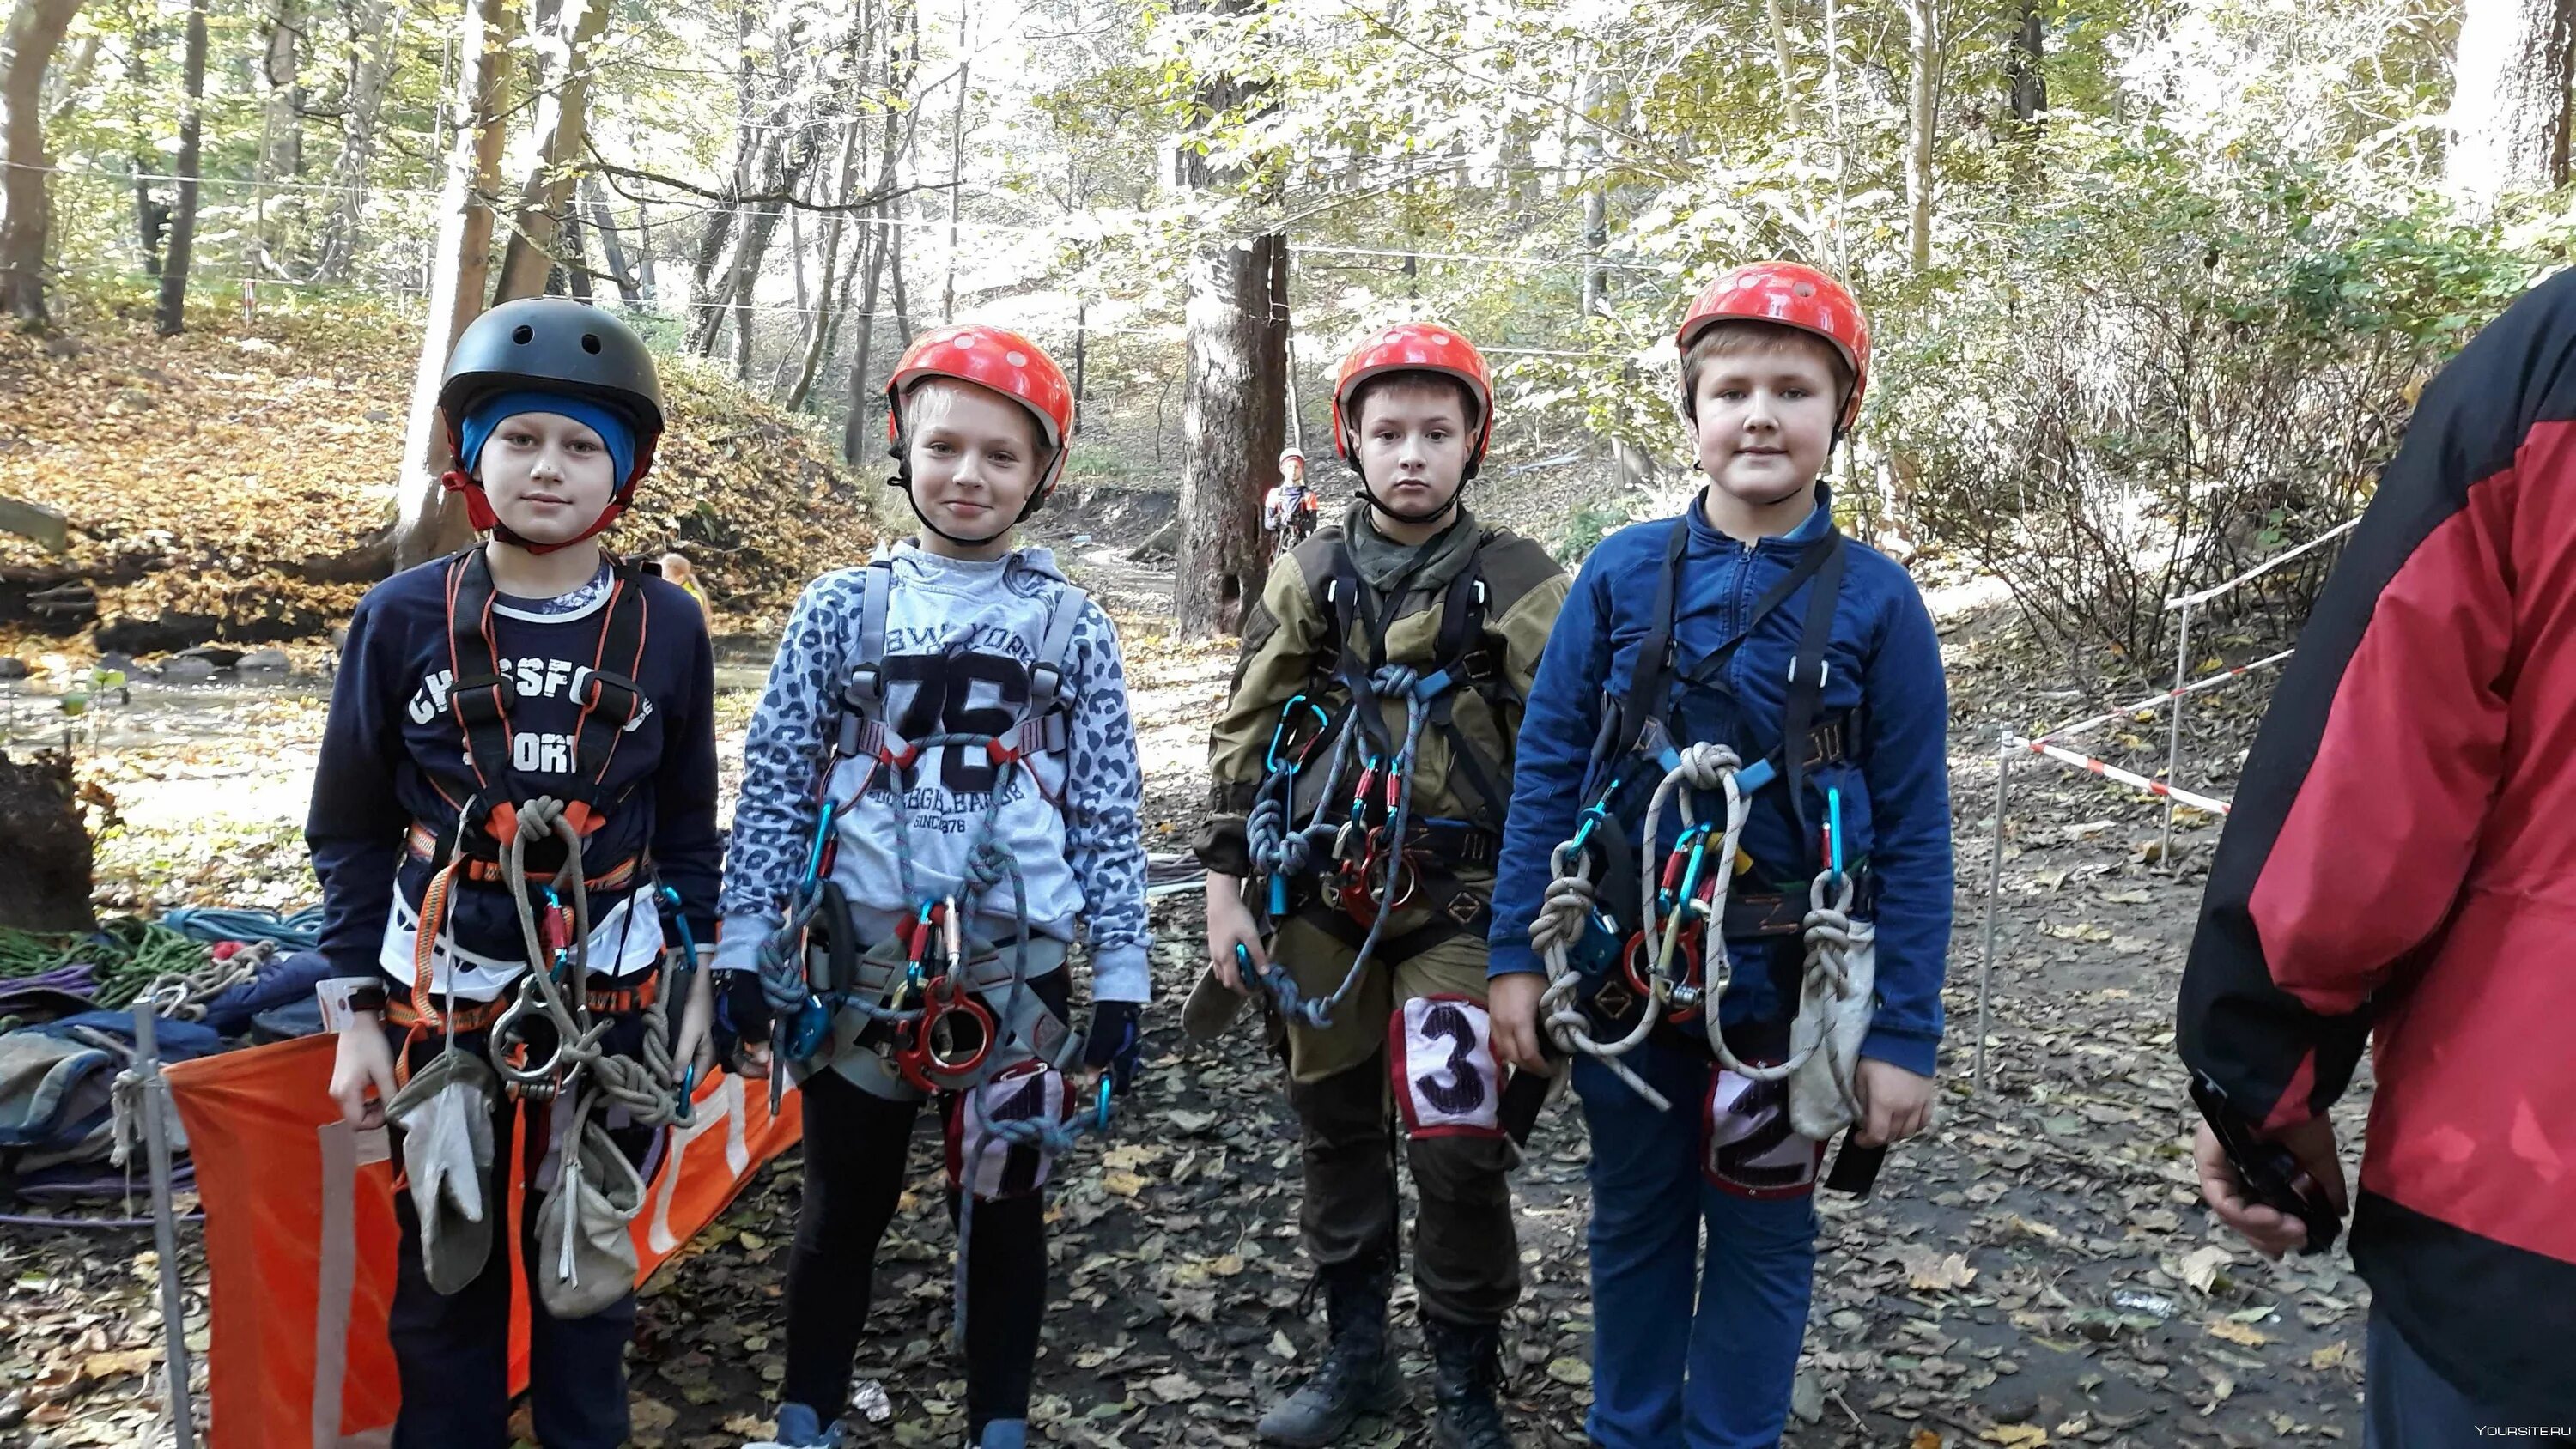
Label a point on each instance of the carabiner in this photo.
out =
(822, 839)
(1834, 829)
(1100, 1109)
(685, 1108)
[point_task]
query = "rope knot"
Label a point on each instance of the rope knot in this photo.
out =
(1395, 679)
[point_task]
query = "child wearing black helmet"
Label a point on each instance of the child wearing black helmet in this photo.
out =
(519, 772)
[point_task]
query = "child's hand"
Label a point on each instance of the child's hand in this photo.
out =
(695, 1046)
(364, 1063)
(1894, 1103)
(1230, 924)
(1512, 1000)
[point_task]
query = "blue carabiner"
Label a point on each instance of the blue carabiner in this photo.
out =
(822, 837)
(1279, 731)
(686, 1108)
(680, 918)
(1834, 828)
(1278, 896)
(1100, 1111)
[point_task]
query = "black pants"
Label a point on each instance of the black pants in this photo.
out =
(1466, 1259)
(452, 1351)
(856, 1151)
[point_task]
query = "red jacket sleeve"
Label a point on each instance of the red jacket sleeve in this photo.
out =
(2372, 778)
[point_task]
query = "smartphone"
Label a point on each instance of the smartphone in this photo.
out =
(2270, 1175)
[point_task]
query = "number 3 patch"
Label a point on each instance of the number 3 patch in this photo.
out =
(1747, 1146)
(1440, 1051)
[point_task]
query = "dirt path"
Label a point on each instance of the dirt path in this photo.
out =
(2036, 1272)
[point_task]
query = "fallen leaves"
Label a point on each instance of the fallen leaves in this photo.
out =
(2235, 1332)
(2200, 1268)
(1935, 1274)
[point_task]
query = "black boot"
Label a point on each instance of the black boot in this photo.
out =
(1358, 1375)
(1467, 1369)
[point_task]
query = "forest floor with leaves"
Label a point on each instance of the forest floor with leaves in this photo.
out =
(2037, 1270)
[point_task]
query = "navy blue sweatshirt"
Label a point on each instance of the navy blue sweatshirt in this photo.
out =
(1885, 664)
(393, 755)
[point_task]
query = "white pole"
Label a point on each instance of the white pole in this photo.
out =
(1994, 891)
(165, 1226)
(2173, 734)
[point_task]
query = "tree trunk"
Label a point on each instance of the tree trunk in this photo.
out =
(151, 218)
(26, 207)
(432, 521)
(2509, 107)
(281, 122)
(1233, 413)
(171, 318)
(2022, 66)
(1921, 22)
(611, 249)
(371, 38)
(574, 260)
(856, 436)
(644, 254)
(562, 112)
(819, 322)
(880, 241)
(956, 178)
(63, 84)
(45, 856)
(1788, 70)
(750, 150)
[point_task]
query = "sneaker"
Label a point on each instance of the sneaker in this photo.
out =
(799, 1428)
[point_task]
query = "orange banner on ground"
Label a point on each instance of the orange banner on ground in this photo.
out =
(300, 1236)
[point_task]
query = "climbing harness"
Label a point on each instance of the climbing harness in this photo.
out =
(1366, 855)
(445, 1107)
(925, 1017)
(1611, 985)
(478, 699)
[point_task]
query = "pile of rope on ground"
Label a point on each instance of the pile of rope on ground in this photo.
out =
(179, 961)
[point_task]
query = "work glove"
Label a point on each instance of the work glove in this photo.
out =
(445, 1116)
(742, 1015)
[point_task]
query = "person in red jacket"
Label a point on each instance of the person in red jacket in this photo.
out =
(2401, 868)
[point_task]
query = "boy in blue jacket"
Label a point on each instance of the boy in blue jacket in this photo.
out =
(1727, 872)
(519, 770)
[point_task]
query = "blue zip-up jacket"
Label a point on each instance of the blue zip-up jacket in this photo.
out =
(393, 755)
(1884, 663)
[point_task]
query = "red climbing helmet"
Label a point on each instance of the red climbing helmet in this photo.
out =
(993, 358)
(1786, 294)
(1415, 347)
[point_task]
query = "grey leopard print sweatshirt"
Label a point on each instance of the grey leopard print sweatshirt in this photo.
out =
(960, 639)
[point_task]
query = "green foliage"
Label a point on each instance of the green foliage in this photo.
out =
(1590, 524)
(2134, 387)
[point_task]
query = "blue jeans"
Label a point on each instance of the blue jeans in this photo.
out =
(1724, 1384)
(2406, 1404)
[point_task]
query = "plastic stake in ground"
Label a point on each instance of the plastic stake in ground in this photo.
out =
(165, 1227)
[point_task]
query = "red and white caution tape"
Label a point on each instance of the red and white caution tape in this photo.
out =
(2159, 701)
(2109, 771)
(2189, 601)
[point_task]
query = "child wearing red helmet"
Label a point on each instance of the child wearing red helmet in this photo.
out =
(940, 797)
(1725, 885)
(1358, 782)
